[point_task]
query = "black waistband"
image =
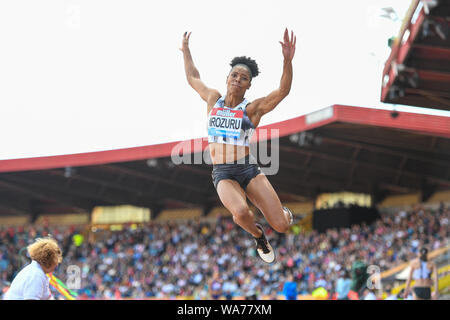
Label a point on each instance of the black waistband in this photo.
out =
(248, 159)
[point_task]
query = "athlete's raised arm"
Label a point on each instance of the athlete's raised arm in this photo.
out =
(266, 104)
(408, 281)
(435, 292)
(192, 74)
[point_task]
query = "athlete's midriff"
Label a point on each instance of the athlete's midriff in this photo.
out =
(229, 132)
(227, 153)
(423, 283)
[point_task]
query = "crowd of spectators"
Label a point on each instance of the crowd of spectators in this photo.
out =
(169, 259)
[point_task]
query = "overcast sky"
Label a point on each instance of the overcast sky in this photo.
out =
(82, 76)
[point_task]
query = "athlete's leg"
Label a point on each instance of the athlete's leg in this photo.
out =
(263, 196)
(233, 198)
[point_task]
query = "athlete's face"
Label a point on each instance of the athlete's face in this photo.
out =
(239, 80)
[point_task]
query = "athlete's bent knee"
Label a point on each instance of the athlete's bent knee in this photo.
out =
(281, 226)
(242, 214)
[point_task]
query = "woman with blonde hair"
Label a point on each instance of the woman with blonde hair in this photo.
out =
(31, 283)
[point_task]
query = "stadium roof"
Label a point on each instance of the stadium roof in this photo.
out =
(417, 72)
(339, 148)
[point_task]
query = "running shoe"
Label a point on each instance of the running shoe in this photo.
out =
(263, 247)
(291, 216)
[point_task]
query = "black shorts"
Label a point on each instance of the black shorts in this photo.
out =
(423, 292)
(242, 173)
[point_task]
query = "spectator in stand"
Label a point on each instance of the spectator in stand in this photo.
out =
(290, 288)
(390, 294)
(273, 295)
(32, 283)
(368, 294)
(168, 259)
(215, 286)
(343, 285)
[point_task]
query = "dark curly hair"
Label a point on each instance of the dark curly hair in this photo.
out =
(248, 62)
(423, 254)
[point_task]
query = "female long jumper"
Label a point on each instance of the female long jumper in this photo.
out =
(232, 119)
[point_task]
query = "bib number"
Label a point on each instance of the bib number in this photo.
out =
(225, 123)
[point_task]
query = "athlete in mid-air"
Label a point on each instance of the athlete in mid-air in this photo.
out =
(232, 119)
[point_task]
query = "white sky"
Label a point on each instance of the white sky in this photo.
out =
(82, 76)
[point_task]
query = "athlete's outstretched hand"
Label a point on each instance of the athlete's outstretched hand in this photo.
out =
(185, 42)
(288, 45)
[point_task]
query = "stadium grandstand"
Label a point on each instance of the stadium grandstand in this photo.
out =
(368, 188)
(140, 226)
(417, 71)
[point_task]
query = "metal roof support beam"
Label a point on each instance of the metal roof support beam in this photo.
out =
(363, 164)
(353, 167)
(15, 206)
(133, 193)
(432, 75)
(378, 194)
(293, 186)
(396, 188)
(134, 196)
(442, 95)
(307, 161)
(55, 193)
(400, 170)
(328, 178)
(325, 177)
(97, 181)
(12, 210)
(19, 185)
(427, 190)
(208, 207)
(424, 51)
(444, 101)
(371, 145)
(150, 177)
